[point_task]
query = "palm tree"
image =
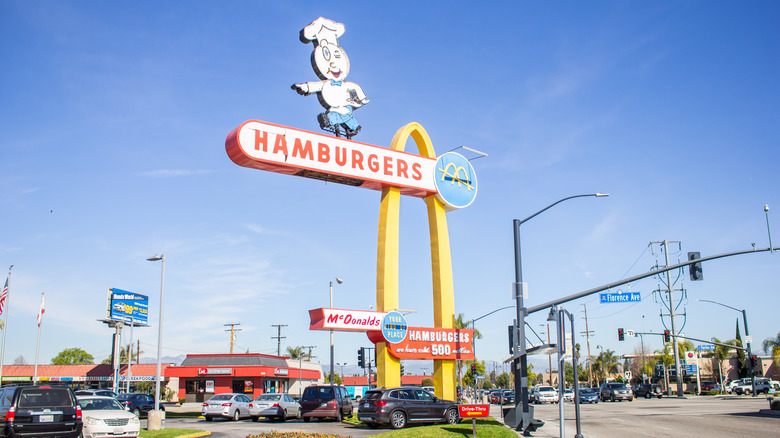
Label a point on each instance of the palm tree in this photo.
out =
(721, 353)
(296, 352)
(772, 346)
(461, 324)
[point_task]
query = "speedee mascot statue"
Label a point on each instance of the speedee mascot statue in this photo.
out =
(331, 64)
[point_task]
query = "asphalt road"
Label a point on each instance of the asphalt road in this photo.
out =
(711, 417)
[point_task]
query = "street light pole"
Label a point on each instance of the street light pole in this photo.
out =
(520, 363)
(159, 331)
(747, 335)
(474, 340)
(339, 281)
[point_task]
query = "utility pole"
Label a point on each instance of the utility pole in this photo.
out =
(232, 331)
(670, 290)
(278, 337)
(587, 339)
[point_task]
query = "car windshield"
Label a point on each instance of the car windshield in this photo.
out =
(44, 397)
(322, 393)
(100, 404)
(268, 397)
(546, 388)
(372, 395)
(587, 391)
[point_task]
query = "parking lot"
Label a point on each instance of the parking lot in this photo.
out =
(726, 416)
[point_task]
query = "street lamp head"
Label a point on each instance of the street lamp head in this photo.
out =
(602, 195)
(551, 316)
(339, 281)
(766, 207)
(155, 258)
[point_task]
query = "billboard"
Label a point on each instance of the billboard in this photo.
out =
(127, 306)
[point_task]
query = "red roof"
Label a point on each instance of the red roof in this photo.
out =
(363, 380)
(79, 370)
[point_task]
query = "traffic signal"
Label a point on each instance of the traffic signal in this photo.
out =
(402, 369)
(695, 269)
(361, 358)
(667, 336)
(473, 370)
(621, 336)
(754, 361)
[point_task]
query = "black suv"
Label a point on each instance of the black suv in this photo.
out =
(326, 401)
(34, 411)
(400, 406)
(138, 403)
(648, 391)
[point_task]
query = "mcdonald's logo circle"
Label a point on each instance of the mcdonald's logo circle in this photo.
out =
(456, 181)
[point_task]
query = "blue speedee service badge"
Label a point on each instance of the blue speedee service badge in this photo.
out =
(455, 181)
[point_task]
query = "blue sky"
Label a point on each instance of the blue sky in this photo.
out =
(114, 116)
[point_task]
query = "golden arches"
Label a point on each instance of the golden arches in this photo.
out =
(388, 367)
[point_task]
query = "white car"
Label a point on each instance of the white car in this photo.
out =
(230, 405)
(105, 416)
(545, 394)
(568, 395)
(278, 405)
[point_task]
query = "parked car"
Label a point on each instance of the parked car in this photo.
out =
(105, 416)
(709, 386)
(509, 397)
(229, 405)
(615, 391)
(278, 405)
(734, 383)
(568, 395)
(400, 406)
(138, 403)
(100, 392)
(326, 401)
(35, 411)
(545, 394)
(495, 396)
(589, 395)
(649, 390)
(763, 385)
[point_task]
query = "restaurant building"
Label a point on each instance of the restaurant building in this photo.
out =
(200, 376)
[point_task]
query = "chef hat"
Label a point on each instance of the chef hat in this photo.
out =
(322, 29)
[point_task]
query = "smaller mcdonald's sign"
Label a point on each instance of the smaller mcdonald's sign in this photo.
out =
(456, 181)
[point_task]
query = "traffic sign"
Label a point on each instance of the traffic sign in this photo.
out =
(691, 368)
(621, 297)
(706, 347)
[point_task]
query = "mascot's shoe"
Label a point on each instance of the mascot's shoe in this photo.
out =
(322, 118)
(353, 132)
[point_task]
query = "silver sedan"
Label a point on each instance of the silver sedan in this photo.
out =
(280, 406)
(230, 405)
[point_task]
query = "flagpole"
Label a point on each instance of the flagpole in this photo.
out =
(38, 342)
(5, 322)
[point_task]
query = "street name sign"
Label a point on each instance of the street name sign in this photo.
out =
(621, 297)
(706, 347)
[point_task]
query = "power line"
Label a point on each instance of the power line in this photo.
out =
(278, 337)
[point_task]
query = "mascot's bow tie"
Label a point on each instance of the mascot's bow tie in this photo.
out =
(335, 82)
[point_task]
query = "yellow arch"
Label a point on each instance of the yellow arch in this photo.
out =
(388, 367)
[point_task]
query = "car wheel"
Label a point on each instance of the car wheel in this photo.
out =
(612, 398)
(208, 418)
(283, 416)
(647, 395)
(236, 415)
(397, 420)
(373, 425)
(306, 419)
(659, 396)
(137, 412)
(452, 417)
(298, 415)
(255, 419)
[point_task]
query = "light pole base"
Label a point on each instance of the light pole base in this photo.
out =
(155, 420)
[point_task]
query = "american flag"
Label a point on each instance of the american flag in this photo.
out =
(3, 296)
